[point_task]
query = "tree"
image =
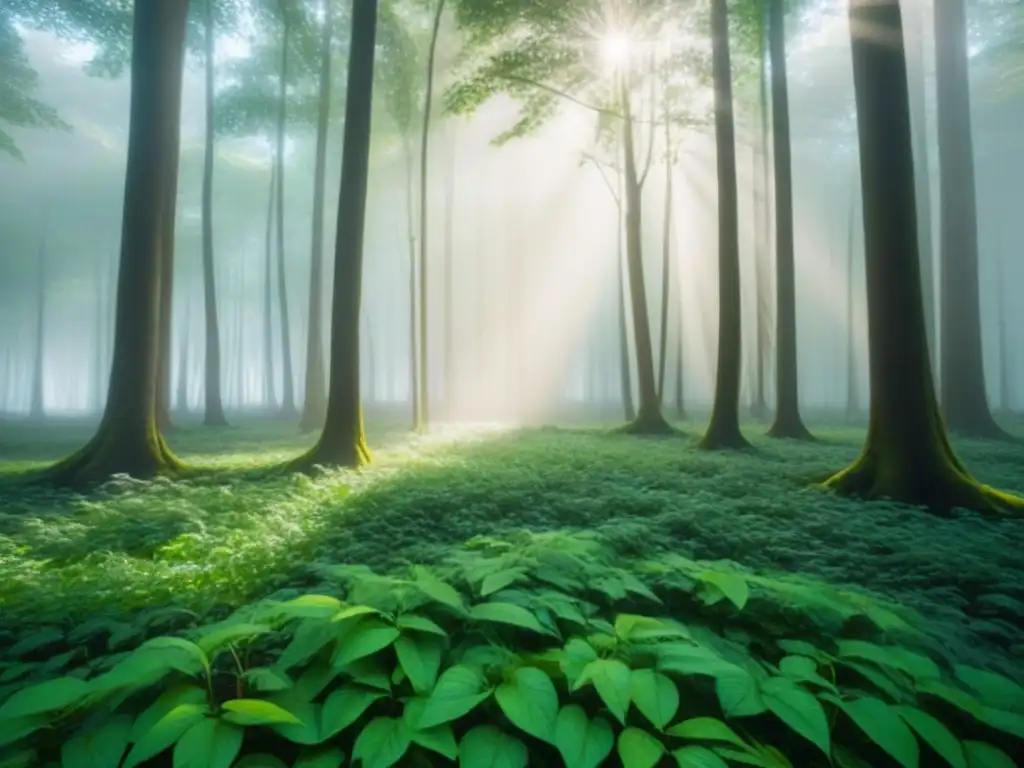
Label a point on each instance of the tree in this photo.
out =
(788, 423)
(852, 399)
(964, 400)
(906, 456)
(342, 441)
(128, 439)
(724, 429)
(37, 405)
(762, 230)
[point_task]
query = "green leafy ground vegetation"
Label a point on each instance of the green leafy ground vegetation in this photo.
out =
(504, 598)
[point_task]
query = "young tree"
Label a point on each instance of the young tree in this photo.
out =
(128, 439)
(907, 456)
(343, 441)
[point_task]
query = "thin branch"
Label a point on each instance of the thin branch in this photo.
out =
(654, 123)
(604, 177)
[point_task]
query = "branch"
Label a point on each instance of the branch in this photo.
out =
(650, 136)
(604, 177)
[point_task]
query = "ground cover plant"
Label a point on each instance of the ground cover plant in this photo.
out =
(581, 532)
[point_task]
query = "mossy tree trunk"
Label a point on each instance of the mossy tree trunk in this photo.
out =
(907, 456)
(288, 380)
(342, 442)
(788, 423)
(128, 439)
(314, 406)
(964, 400)
(724, 429)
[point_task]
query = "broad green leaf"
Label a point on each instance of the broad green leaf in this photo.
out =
(576, 654)
(23, 758)
(1008, 722)
(307, 729)
(210, 743)
(500, 580)
(632, 628)
(420, 657)
(583, 743)
(314, 679)
(343, 707)
(51, 696)
(689, 659)
(798, 709)
(951, 695)
(256, 712)
(438, 739)
(268, 679)
(734, 587)
(311, 607)
(983, 755)
(935, 735)
(507, 613)
(488, 747)
(738, 693)
(364, 639)
(612, 679)
(459, 690)
(320, 757)
(353, 612)
(382, 743)
(412, 622)
(887, 680)
(993, 690)
(371, 671)
(229, 635)
(186, 648)
(698, 757)
(706, 729)
(798, 667)
(309, 638)
(261, 761)
(913, 664)
(97, 748)
(529, 700)
(884, 726)
(638, 749)
(180, 694)
(165, 732)
(802, 648)
(655, 695)
(437, 590)
(20, 727)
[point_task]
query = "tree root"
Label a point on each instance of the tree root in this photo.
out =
(106, 455)
(651, 424)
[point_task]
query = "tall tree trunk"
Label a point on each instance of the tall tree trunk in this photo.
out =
(166, 324)
(724, 429)
(181, 397)
(37, 405)
(964, 399)
(414, 369)
(288, 384)
(314, 407)
(343, 441)
(424, 382)
(99, 331)
(762, 227)
(213, 414)
(449, 293)
(1004, 348)
(788, 423)
(128, 439)
(852, 399)
(625, 364)
(666, 264)
(269, 396)
(907, 456)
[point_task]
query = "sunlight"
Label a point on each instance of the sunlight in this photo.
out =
(615, 48)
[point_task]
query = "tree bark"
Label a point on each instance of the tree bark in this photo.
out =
(907, 456)
(269, 396)
(964, 399)
(625, 366)
(788, 423)
(666, 264)
(288, 384)
(314, 406)
(724, 429)
(213, 415)
(128, 439)
(343, 441)
(166, 319)
(762, 226)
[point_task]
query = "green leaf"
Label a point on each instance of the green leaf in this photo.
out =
(913, 664)
(583, 743)
(261, 761)
(507, 613)
(1008, 722)
(310, 607)
(738, 693)
(307, 729)
(268, 679)
(310, 637)
(257, 712)
(209, 743)
(321, 757)
(178, 645)
(698, 757)
(655, 695)
(188, 693)
(20, 727)
(612, 679)
(638, 749)
(97, 748)
(488, 747)
(993, 690)
(438, 739)
(951, 695)
(884, 726)
(382, 743)
(51, 696)
(437, 590)
(165, 732)
(706, 729)
(687, 659)
(354, 612)
(414, 623)
(458, 691)
(371, 672)
(343, 707)
(529, 700)
(364, 639)
(576, 654)
(500, 580)
(982, 755)
(229, 635)
(935, 735)
(632, 628)
(732, 586)
(798, 709)
(801, 648)
(420, 657)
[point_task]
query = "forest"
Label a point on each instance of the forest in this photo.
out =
(506, 383)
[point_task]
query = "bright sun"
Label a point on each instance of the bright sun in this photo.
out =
(615, 48)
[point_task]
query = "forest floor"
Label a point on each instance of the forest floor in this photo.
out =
(237, 531)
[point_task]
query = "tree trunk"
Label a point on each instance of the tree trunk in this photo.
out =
(424, 382)
(666, 265)
(414, 370)
(166, 319)
(181, 397)
(1004, 349)
(625, 364)
(964, 399)
(288, 385)
(314, 407)
(97, 350)
(788, 423)
(852, 399)
(269, 397)
(449, 293)
(213, 415)
(343, 441)
(762, 211)
(907, 456)
(37, 406)
(128, 439)
(724, 429)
